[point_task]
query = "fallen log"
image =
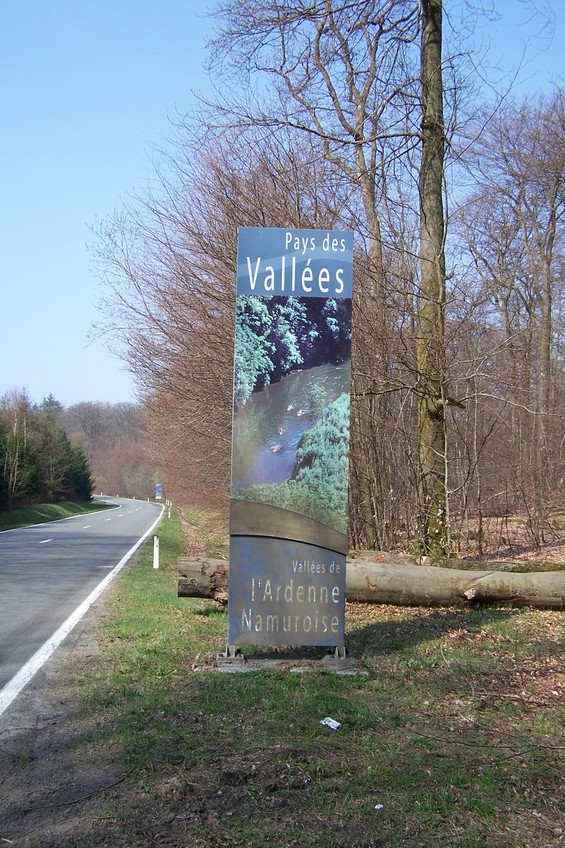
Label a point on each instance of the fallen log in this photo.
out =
(203, 578)
(398, 581)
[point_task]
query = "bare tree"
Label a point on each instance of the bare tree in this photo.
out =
(114, 438)
(169, 263)
(432, 394)
(514, 231)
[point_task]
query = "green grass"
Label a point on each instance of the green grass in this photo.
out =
(11, 519)
(456, 730)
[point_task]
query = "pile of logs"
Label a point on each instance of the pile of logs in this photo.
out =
(402, 580)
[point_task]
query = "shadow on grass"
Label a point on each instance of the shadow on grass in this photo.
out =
(407, 627)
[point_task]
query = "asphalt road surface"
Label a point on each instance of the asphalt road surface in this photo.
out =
(48, 570)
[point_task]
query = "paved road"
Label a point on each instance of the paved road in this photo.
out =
(48, 570)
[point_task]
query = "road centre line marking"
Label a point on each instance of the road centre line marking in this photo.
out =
(14, 686)
(44, 542)
(86, 526)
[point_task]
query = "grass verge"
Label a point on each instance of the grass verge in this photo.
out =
(454, 737)
(11, 519)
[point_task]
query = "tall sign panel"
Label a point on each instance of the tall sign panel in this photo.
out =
(288, 515)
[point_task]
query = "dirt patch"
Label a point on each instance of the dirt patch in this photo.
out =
(49, 786)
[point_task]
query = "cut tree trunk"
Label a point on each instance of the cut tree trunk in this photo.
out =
(203, 578)
(389, 579)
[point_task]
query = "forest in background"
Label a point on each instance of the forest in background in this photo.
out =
(323, 126)
(50, 453)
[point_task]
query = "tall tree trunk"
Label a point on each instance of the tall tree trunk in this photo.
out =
(431, 314)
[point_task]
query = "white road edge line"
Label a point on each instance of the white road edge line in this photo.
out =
(14, 686)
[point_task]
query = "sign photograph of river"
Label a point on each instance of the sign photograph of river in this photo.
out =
(291, 415)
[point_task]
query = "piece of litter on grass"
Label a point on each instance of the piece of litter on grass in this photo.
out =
(331, 723)
(379, 807)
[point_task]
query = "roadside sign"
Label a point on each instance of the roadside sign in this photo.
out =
(288, 513)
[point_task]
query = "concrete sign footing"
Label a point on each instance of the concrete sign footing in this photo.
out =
(233, 661)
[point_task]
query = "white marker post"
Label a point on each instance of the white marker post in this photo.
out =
(155, 551)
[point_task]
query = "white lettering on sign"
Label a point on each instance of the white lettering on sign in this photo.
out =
(292, 592)
(263, 278)
(316, 622)
(302, 244)
(309, 605)
(310, 567)
(297, 598)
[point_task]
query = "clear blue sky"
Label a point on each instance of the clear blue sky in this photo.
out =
(87, 90)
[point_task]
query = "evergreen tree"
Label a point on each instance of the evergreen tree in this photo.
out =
(38, 462)
(79, 478)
